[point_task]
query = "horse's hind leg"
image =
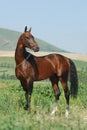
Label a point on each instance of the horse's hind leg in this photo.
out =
(54, 81)
(67, 94)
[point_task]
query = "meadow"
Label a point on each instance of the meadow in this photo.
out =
(12, 100)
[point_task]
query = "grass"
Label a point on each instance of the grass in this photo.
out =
(14, 117)
(12, 100)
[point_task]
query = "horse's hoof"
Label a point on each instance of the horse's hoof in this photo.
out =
(27, 108)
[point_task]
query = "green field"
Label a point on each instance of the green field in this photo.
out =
(14, 117)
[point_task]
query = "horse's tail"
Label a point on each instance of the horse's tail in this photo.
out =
(73, 79)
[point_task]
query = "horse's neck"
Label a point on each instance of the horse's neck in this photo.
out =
(19, 54)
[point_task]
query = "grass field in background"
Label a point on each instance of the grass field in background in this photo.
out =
(12, 100)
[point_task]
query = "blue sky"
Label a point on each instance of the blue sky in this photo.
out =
(62, 23)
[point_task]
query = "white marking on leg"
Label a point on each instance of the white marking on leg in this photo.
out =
(67, 113)
(54, 111)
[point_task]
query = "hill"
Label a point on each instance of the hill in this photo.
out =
(8, 40)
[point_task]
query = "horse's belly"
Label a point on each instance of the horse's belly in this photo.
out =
(44, 74)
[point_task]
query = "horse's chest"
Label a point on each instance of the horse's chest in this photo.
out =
(24, 71)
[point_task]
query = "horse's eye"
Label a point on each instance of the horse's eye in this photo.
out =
(32, 37)
(27, 37)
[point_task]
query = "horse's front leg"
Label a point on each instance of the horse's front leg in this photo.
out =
(28, 100)
(28, 94)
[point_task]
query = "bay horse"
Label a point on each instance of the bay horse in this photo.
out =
(56, 67)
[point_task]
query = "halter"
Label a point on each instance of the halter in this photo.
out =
(23, 60)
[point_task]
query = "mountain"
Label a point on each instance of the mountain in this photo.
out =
(8, 42)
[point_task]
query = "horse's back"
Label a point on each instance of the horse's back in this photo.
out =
(51, 64)
(58, 59)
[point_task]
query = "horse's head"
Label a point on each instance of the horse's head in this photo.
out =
(29, 41)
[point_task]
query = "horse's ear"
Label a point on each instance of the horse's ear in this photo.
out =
(30, 29)
(25, 28)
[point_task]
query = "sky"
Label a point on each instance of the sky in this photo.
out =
(62, 23)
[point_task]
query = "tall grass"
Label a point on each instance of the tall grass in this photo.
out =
(12, 100)
(14, 117)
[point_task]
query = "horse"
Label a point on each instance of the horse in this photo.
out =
(56, 67)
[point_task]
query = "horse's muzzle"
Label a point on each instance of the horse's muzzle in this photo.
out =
(36, 49)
